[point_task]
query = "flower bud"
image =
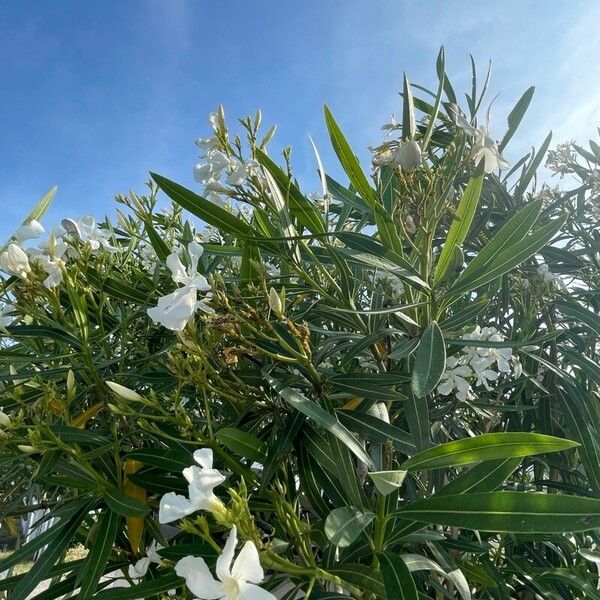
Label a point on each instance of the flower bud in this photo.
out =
(408, 156)
(124, 392)
(15, 262)
(4, 419)
(275, 303)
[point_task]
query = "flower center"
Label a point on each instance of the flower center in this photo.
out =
(231, 587)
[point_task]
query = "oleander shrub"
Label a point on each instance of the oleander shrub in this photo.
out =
(385, 389)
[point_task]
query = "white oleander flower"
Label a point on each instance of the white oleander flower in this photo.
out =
(549, 277)
(30, 231)
(174, 310)
(86, 230)
(501, 357)
(140, 568)
(15, 261)
(483, 373)
(455, 379)
(392, 125)
(236, 579)
(484, 147)
(6, 315)
(408, 156)
(201, 482)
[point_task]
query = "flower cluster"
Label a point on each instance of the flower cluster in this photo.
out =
(477, 366)
(218, 163)
(560, 160)
(53, 253)
(549, 277)
(174, 310)
(236, 580)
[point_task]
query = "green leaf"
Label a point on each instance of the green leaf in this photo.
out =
(387, 482)
(250, 271)
(484, 477)
(430, 361)
(361, 576)
(329, 422)
(579, 313)
(38, 331)
(408, 112)
(345, 524)
(349, 161)
(532, 168)
(376, 430)
(42, 565)
(511, 257)
(487, 446)
(516, 115)
(148, 589)
(461, 222)
(300, 206)
(125, 505)
(95, 563)
(399, 583)
(515, 512)
(243, 443)
(119, 289)
(508, 248)
(377, 262)
(202, 208)
(163, 458)
(158, 244)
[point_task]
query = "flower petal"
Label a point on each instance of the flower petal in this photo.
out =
(178, 272)
(173, 507)
(226, 557)
(247, 565)
(199, 579)
(250, 591)
(140, 568)
(204, 457)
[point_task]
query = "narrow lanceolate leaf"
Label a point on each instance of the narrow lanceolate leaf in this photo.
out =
(376, 430)
(48, 557)
(158, 244)
(532, 168)
(250, 271)
(97, 558)
(243, 443)
(430, 361)
(487, 446)
(148, 589)
(575, 311)
(408, 112)
(516, 115)
(399, 583)
(329, 422)
(349, 161)
(514, 230)
(344, 525)
(461, 222)
(510, 258)
(484, 477)
(515, 512)
(125, 505)
(300, 206)
(202, 208)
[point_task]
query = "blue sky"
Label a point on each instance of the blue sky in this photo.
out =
(95, 95)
